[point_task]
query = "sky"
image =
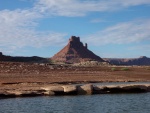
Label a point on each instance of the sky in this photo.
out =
(112, 28)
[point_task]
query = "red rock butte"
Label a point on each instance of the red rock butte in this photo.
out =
(75, 52)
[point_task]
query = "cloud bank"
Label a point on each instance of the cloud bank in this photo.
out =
(18, 30)
(72, 8)
(123, 33)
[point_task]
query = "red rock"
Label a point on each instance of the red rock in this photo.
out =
(75, 52)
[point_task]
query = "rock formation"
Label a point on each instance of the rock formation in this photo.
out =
(141, 61)
(1, 53)
(84, 89)
(75, 52)
(22, 59)
(2, 57)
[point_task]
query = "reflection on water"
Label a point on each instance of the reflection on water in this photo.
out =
(105, 103)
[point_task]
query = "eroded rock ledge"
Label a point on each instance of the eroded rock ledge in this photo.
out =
(86, 89)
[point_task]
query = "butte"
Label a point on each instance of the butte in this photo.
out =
(75, 52)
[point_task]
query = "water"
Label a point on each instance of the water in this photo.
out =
(120, 83)
(104, 103)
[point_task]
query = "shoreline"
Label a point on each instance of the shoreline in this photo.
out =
(30, 90)
(73, 83)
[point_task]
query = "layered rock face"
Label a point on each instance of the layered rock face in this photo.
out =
(75, 52)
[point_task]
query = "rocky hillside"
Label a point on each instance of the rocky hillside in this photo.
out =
(143, 60)
(22, 59)
(75, 52)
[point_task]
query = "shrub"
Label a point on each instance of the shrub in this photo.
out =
(113, 69)
(124, 69)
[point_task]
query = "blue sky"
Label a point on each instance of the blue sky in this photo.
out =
(112, 28)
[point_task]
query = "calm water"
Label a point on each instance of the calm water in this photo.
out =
(119, 83)
(105, 103)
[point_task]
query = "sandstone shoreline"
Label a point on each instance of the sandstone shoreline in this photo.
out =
(60, 89)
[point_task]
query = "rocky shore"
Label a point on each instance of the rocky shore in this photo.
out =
(55, 89)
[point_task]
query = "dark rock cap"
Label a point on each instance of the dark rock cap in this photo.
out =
(1, 53)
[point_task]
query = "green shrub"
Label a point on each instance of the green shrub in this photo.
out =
(124, 69)
(113, 69)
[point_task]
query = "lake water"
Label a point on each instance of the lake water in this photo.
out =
(102, 103)
(119, 83)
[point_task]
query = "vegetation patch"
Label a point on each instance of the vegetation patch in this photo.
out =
(113, 69)
(124, 69)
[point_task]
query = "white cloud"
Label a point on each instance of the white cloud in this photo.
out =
(17, 30)
(18, 18)
(129, 32)
(82, 7)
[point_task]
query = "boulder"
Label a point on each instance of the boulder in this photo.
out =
(58, 90)
(85, 89)
(16, 93)
(49, 93)
(148, 88)
(98, 89)
(70, 89)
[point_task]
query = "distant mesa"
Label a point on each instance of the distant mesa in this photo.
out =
(143, 57)
(75, 52)
(141, 61)
(22, 59)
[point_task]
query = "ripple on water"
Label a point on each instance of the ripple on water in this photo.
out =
(104, 103)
